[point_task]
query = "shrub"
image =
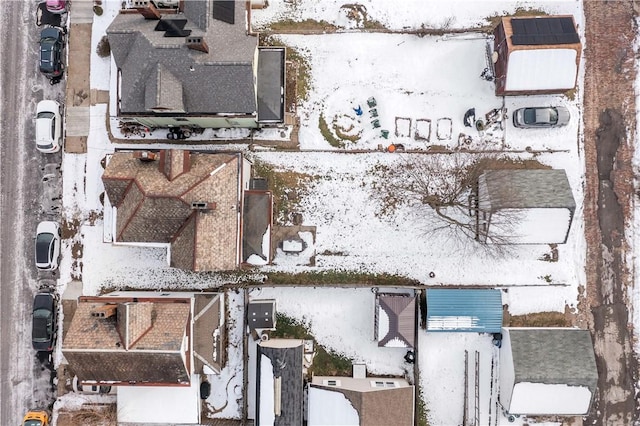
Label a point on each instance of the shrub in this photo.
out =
(104, 48)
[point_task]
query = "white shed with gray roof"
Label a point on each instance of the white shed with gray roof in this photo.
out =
(524, 206)
(547, 371)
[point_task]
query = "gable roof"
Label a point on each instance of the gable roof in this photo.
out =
(256, 224)
(284, 357)
(553, 356)
(375, 406)
(159, 71)
(524, 188)
(154, 204)
(548, 30)
(129, 341)
(396, 320)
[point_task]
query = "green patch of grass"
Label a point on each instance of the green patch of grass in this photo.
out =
(325, 363)
(327, 134)
(287, 188)
(307, 25)
(338, 277)
(421, 409)
(538, 319)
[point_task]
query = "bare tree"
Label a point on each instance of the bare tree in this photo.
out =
(440, 192)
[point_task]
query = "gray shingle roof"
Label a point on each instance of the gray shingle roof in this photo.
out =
(401, 312)
(220, 81)
(554, 356)
(287, 364)
(522, 188)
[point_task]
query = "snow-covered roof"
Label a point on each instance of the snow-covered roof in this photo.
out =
(157, 404)
(330, 408)
(542, 69)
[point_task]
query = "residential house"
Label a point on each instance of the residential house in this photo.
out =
(360, 401)
(464, 310)
(279, 383)
(523, 206)
(547, 371)
(199, 67)
(199, 204)
(395, 320)
(153, 346)
(536, 54)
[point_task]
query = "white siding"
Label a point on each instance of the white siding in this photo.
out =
(507, 376)
(541, 398)
(541, 69)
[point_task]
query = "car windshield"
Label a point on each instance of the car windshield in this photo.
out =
(32, 423)
(46, 114)
(44, 247)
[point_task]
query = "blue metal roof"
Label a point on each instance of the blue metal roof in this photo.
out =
(473, 310)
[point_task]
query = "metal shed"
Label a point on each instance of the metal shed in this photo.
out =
(470, 310)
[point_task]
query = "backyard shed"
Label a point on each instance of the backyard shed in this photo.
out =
(261, 314)
(468, 310)
(395, 320)
(520, 206)
(536, 55)
(547, 371)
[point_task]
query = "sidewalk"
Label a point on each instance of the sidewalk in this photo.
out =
(77, 97)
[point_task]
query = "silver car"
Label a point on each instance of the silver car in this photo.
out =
(541, 117)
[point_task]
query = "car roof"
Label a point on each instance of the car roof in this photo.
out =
(43, 300)
(50, 32)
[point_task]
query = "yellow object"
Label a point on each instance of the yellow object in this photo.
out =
(36, 418)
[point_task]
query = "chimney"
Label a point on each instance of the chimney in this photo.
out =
(134, 320)
(145, 156)
(174, 162)
(147, 9)
(197, 43)
(104, 311)
(203, 206)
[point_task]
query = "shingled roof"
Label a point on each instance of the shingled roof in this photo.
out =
(523, 188)
(395, 320)
(155, 203)
(129, 341)
(161, 73)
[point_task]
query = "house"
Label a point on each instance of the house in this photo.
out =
(360, 401)
(522, 206)
(547, 371)
(199, 205)
(536, 55)
(146, 338)
(261, 314)
(395, 320)
(199, 67)
(279, 383)
(464, 310)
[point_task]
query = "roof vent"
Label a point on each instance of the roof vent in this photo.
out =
(145, 156)
(203, 206)
(197, 43)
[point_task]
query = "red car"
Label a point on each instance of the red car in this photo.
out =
(56, 6)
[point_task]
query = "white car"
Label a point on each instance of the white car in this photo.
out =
(48, 126)
(47, 245)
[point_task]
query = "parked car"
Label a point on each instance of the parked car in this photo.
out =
(36, 418)
(48, 126)
(166, 3)
(91, 388)
(51, 45)
(47, 245)
(44, 322)
(56, 6)
(540, 117)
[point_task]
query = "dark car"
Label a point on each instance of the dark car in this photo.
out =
(51, 45)
(44, 322)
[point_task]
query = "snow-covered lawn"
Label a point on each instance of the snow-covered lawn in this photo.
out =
(427, 83)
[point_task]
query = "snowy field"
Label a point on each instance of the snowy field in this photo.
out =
(413, 79)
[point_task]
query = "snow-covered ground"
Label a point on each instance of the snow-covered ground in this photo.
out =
(413, 79)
